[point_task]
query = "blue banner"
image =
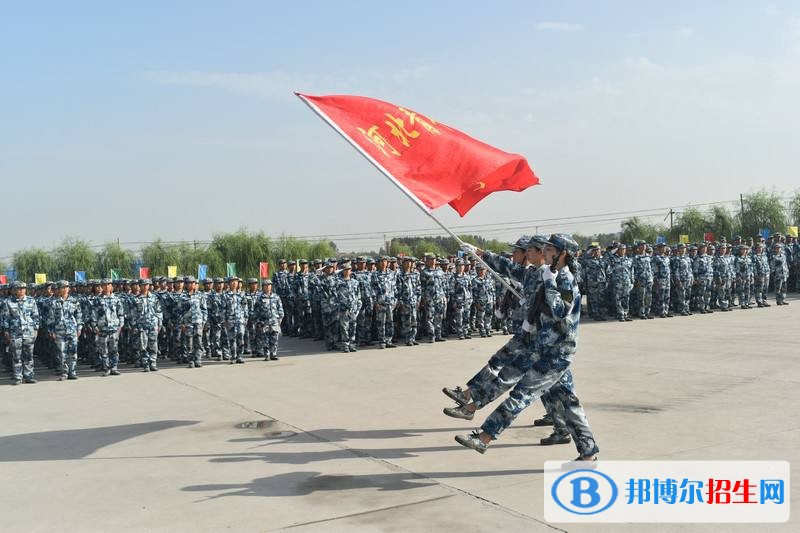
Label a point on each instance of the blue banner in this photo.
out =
(661, 239)
(202, 272)
(11, 274)
(80, 275)
(764, 232)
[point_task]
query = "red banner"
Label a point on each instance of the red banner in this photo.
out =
(431, 162)
(144, 272)
(708, 237)
(263, 269)
(3, 279)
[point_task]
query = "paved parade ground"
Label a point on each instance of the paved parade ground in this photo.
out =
(323, 441)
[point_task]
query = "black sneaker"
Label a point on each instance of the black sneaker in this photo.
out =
(153, 368)
(72, 376)
(556, 438)
(114, 372)
(546, 420)
(273, 357)
(30, 380)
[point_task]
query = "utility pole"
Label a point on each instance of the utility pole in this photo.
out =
(741, 199)
(670, 219)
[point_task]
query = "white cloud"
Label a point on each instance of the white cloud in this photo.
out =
(684, 33)
(558, 26)
(771, 10)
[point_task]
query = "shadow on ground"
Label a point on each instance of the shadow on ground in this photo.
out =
(305, 483)
(72, 444)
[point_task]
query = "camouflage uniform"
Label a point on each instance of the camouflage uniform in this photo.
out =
(407, 307)
(744, 273)
(484, 297)
(780, 273)
(65, 322)
(348, 297)
(642, 285)
(703, 272)
(215, 305)
(109, 317)
(148, 321)
(596, 282)
(383, 286)
(661, 284)
(20, 322)
(461, 298)
(433, 300)
(235, 322)
(268, 313)
(621, 274)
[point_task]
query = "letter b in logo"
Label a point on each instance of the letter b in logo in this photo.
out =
(584, 492)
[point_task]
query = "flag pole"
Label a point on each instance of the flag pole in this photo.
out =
(404, 190)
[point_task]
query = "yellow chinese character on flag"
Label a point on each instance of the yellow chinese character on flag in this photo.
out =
(414, 118)
(40, 278)
(172, 271)
(791, 231)
(378, 140)
(683, 239)
(399, 130)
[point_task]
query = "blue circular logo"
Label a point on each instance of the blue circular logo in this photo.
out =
(584, 492)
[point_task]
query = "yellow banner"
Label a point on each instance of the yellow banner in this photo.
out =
(40, 278)
(595, 243)
(791, 230)
(172, 271)
(684, 239)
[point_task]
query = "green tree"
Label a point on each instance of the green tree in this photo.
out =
(691, 222)
(721, 222)
(762, 210)
(158, 256)
(113, 256)
(32, 261)
(634, 228)
(794, 208)
(398, 248)
(74, 254)
(425, 246)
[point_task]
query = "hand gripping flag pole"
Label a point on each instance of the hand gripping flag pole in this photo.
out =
(467, 169)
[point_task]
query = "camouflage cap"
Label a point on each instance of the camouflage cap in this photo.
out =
(189, 279)
(370, 261)
(219, 280)
(251, 281)
(521, 243)
(145, 281)
(266, 282)
(19, 285)
(346, 266)
(106, 281)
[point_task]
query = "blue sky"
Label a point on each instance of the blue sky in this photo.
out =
(177, 119)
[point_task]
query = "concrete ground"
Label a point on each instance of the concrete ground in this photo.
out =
(322, 441)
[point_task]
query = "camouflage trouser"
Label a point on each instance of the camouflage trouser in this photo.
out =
(316, 319)
(269, 341)
(434, 311)
(760, 284)
(236, 341)
(621, 299)
(780, 289)
(724, 293)
(483, 318)
(289, 317)
(330, 328)
(568, 415)
(661, 299)
(21, 350)
(178, 343)
(596, 300)
(702, 294)
(682, 298)
(347, 329)
(218, 347)
(460, 325)
(384, 322)
(148, 347)
(644, 298)
(304, 323)
(364, 323)
(408, 322)
(499, 374)
(67, 346)
(107, 348)
(743, 291)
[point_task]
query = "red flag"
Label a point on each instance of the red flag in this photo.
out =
(708, 237)
(263, 269)
(3, 279)
(432, 163)
(144, 272)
